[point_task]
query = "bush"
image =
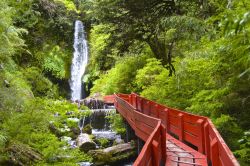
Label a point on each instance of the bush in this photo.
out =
(41, 86)
(117, 124)
(120, 78)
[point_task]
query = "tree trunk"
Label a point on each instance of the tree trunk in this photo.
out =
(163, 53)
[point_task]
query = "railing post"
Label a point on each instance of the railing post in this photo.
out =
(147, 111)
(200, 123)
(139, 104)
(163, 144)
(140, 145)
(181, 134)
(215, 153)
(142, 105)
(157, 111)
(136, 107)
(130, 133)
(130, 99)
(207, 141)
(167, 120)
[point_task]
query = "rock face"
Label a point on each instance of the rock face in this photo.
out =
(85, 143)
(93, 103)
(114, 154)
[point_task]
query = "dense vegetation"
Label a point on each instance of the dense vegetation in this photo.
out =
(192, 55)
(35, 55)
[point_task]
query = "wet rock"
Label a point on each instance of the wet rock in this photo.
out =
(93, 103)
(75, 132)
(113, 154)
(85, 143)
(87, 129)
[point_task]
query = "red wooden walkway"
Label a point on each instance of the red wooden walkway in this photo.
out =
(172, 137)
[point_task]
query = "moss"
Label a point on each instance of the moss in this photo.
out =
(87, 129)
(103, 142)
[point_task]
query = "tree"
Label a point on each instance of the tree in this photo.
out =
(149, 21)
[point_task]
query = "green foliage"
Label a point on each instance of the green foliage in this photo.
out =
(244, 152)
(3, 140)
(229, 129)
(117, 124)
(10, 40)
(204, 46)
(103, 142)
(119, 79)
(147, 75)
(54, 62)
(31, 127)
(40, 85)
(69, 4)
(101, 57)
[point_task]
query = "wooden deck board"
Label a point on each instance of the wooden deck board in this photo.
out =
(179, 154)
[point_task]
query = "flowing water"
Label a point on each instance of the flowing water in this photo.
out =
(81, 124)
(79, 61)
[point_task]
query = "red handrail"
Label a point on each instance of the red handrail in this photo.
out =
(148, 129)
(196, 130)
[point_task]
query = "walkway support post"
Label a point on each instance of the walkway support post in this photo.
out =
(140, 144)
(130, 133)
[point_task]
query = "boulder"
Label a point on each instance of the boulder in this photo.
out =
(114, 154)
(85, 143)
(87, 129)
(75, 131)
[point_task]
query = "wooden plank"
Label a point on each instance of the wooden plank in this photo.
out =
(146, 119)
(141, 134)
(174, 121)
(144, 127)
(198, 157)
(191, 139)
(174, 129)
(191, 118)
(190, 128)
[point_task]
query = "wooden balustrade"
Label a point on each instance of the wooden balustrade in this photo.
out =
(151, 120)
(147, 128)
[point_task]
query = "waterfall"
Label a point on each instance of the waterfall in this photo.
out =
(79, 61)
(81, 124)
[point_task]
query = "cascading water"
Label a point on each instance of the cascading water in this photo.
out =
(79, 61)
(81, 124)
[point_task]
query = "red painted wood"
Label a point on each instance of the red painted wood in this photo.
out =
(151, 121)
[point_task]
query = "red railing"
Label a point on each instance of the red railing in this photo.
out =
(147, 128)
(196, 131)
(109, 99)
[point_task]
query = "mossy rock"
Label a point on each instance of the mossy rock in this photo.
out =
(21, 154)
(113, 155)
(85, 143)
(87, 129)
